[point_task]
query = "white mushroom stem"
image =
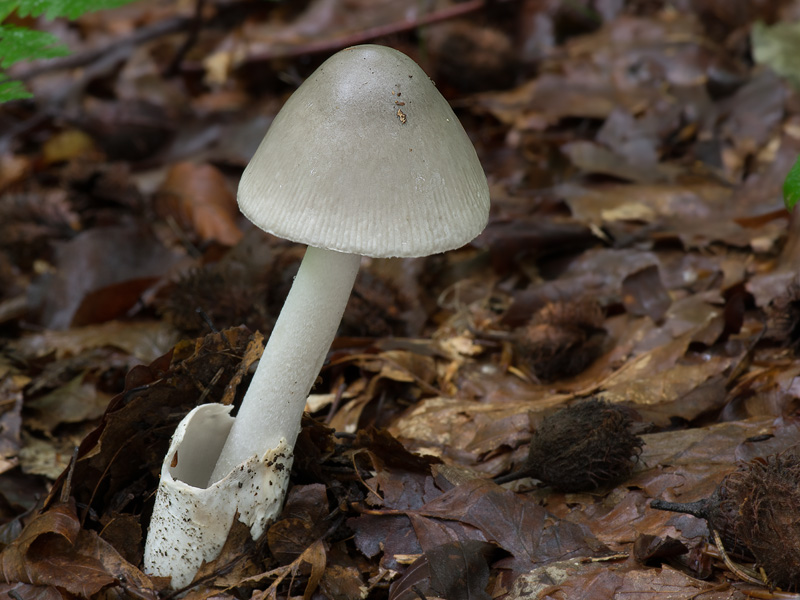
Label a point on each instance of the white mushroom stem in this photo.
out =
(273, 405)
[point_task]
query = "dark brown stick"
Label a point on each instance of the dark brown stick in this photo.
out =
(81, 59)
(359, 37)
(697, 509)
(189, 42)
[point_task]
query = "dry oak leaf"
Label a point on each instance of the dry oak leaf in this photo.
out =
(54, 551)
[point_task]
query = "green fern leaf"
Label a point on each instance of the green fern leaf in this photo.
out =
(51, 9)
(18, 43)
(791, 186)
(12, 90)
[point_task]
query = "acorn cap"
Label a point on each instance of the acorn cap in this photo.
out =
(367, 157)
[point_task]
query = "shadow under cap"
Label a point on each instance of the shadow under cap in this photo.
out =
(367, 157)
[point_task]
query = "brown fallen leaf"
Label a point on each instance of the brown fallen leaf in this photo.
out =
(643, 293)
(515, 523)
(594, 158)
(144, 340)
(454, 570)
(197, 196)
(54, 551)
(574, 580)
(302, 522)
(27, 591)
(72, 403)
(99, 258)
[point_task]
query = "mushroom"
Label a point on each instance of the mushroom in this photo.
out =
(366, 158)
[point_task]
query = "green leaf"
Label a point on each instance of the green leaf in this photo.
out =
(51, 9)
(791, 187)
(21, 43)
(18, 43)
(12, 90)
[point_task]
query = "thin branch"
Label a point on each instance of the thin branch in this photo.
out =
(145, 34)
(189, 42)
(365, 35)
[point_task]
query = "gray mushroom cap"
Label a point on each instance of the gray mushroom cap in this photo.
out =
(367, 157)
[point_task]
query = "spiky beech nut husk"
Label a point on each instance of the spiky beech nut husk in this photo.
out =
(230, 295)
(756, 511)
(582, 447)
(721, 512)
(562, 339)
(769, 494)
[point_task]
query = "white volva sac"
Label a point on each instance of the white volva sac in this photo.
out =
(365, 159)
(191, 521)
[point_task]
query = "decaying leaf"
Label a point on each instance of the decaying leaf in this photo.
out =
(53, 550)
(198, 198)
(455, 570)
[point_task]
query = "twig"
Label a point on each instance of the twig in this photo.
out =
(212, 383)
(140, 36)
(714, 588)
(359, 37)
(66, 489)
(737, 570)
(191, 40)
(206, 319)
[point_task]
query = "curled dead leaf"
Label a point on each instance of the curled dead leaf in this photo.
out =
(197, 196)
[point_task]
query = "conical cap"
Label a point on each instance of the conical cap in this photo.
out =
(367, 157)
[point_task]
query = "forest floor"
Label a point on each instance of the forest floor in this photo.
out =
(637, 252)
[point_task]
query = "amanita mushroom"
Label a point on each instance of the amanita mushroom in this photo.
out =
(365, 159)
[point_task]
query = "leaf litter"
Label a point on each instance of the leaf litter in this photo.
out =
(637, 253)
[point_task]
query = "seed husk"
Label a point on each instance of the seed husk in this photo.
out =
(581, 448)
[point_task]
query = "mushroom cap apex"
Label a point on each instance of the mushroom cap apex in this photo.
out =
(367, 157)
